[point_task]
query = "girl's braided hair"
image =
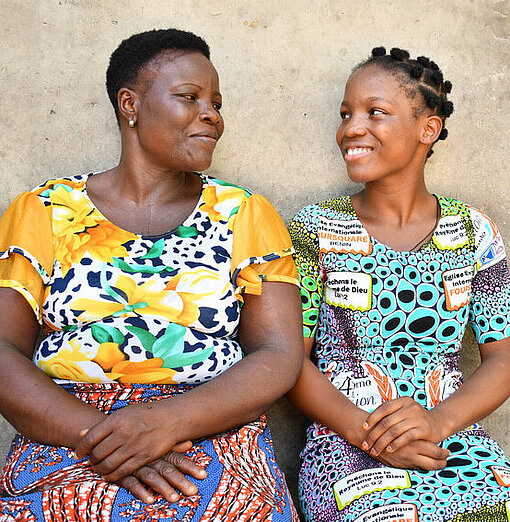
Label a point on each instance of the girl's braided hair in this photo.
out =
(421, 79)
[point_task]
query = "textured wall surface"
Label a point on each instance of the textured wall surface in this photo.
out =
(282, 66)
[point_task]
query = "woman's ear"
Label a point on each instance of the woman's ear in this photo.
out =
(127, 101)
(431, 129)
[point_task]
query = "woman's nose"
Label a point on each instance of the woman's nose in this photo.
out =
(209, 114)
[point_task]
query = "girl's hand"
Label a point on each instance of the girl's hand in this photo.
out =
(396, 423)
(417, 454)
(125, 441)
(164, 475)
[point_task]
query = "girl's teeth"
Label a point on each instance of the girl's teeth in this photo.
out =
(357, 150)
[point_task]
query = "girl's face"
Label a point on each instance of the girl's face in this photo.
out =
(379, 135)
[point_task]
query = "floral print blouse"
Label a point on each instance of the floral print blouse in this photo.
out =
(118, 306)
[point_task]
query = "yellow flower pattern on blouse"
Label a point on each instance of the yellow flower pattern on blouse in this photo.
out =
(79, 228)
(124, 307)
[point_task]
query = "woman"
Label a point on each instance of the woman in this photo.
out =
(148, 279)
(390, 277)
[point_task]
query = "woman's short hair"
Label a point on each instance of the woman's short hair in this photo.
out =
(138, 50)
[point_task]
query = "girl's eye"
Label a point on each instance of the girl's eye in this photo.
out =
(376, 112)
(345, 115)
(217, 106)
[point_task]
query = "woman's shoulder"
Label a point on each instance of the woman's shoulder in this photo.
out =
(67, 184)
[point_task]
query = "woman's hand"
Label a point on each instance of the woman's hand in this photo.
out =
(397, 423)
(125, 441)
(164, 476)
(417, 454)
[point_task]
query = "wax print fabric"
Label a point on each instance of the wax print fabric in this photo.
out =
(389, 324)
(133, 318)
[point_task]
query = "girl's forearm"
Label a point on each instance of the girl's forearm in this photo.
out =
(319, 400)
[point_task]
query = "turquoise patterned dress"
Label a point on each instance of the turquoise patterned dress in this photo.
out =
(389, 324)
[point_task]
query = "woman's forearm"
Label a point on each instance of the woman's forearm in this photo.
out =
(36, 406)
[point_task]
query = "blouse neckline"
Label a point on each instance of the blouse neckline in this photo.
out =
(187, 221)
(388, 247)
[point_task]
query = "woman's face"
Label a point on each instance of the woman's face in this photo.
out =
(379, 135)
(178, 116)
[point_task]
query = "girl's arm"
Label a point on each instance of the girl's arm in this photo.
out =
(317, 398)
(396, 423)
(270, 334)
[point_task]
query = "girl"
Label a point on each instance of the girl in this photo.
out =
(390, 278)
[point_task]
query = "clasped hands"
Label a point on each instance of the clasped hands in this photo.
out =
(136, 449)
(402, 434)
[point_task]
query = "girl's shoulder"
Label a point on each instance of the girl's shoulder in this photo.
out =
(337, 208)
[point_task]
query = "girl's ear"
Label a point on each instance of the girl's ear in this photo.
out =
(431, 129)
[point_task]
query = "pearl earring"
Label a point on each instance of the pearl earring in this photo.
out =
(132, 123)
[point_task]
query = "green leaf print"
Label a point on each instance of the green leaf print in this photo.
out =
(134, 268)
(156, 250)
(182, 231)
(234, 211)
(146, 338)
(187, 359)
(105, 333)
(170, 348)
(171, 342)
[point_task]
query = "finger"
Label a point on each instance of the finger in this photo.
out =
(428, 449)
(392, 434)
(385, 409)
(175, 477)
(104, 452)
(127, 467)
(407, 437)
(137, 489)
(91, 438)
(430, 464)
(149, 476)
(183, 447)
(395, 424)
(186, 465)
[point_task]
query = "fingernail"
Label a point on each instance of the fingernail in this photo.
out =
(364, 446)
(150, 500)
(203, 473)
(174, 497)
(83, 432)
(365, 426)
(75, 456)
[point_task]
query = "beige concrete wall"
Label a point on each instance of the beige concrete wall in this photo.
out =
(283, 65)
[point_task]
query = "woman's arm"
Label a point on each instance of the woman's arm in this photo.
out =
(29, 399)
(317, 398)
(270, 335)
(398, 422)
(44, 412)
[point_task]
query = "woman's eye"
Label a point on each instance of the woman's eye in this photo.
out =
(190, 97)
(345, 115)
(217, 106)
(376, 112)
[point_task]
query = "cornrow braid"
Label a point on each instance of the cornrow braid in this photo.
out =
(421, 79)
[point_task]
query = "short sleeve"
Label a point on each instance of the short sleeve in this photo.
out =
(303, 232)
(262, 249)
(489, 310)
(26, 249)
